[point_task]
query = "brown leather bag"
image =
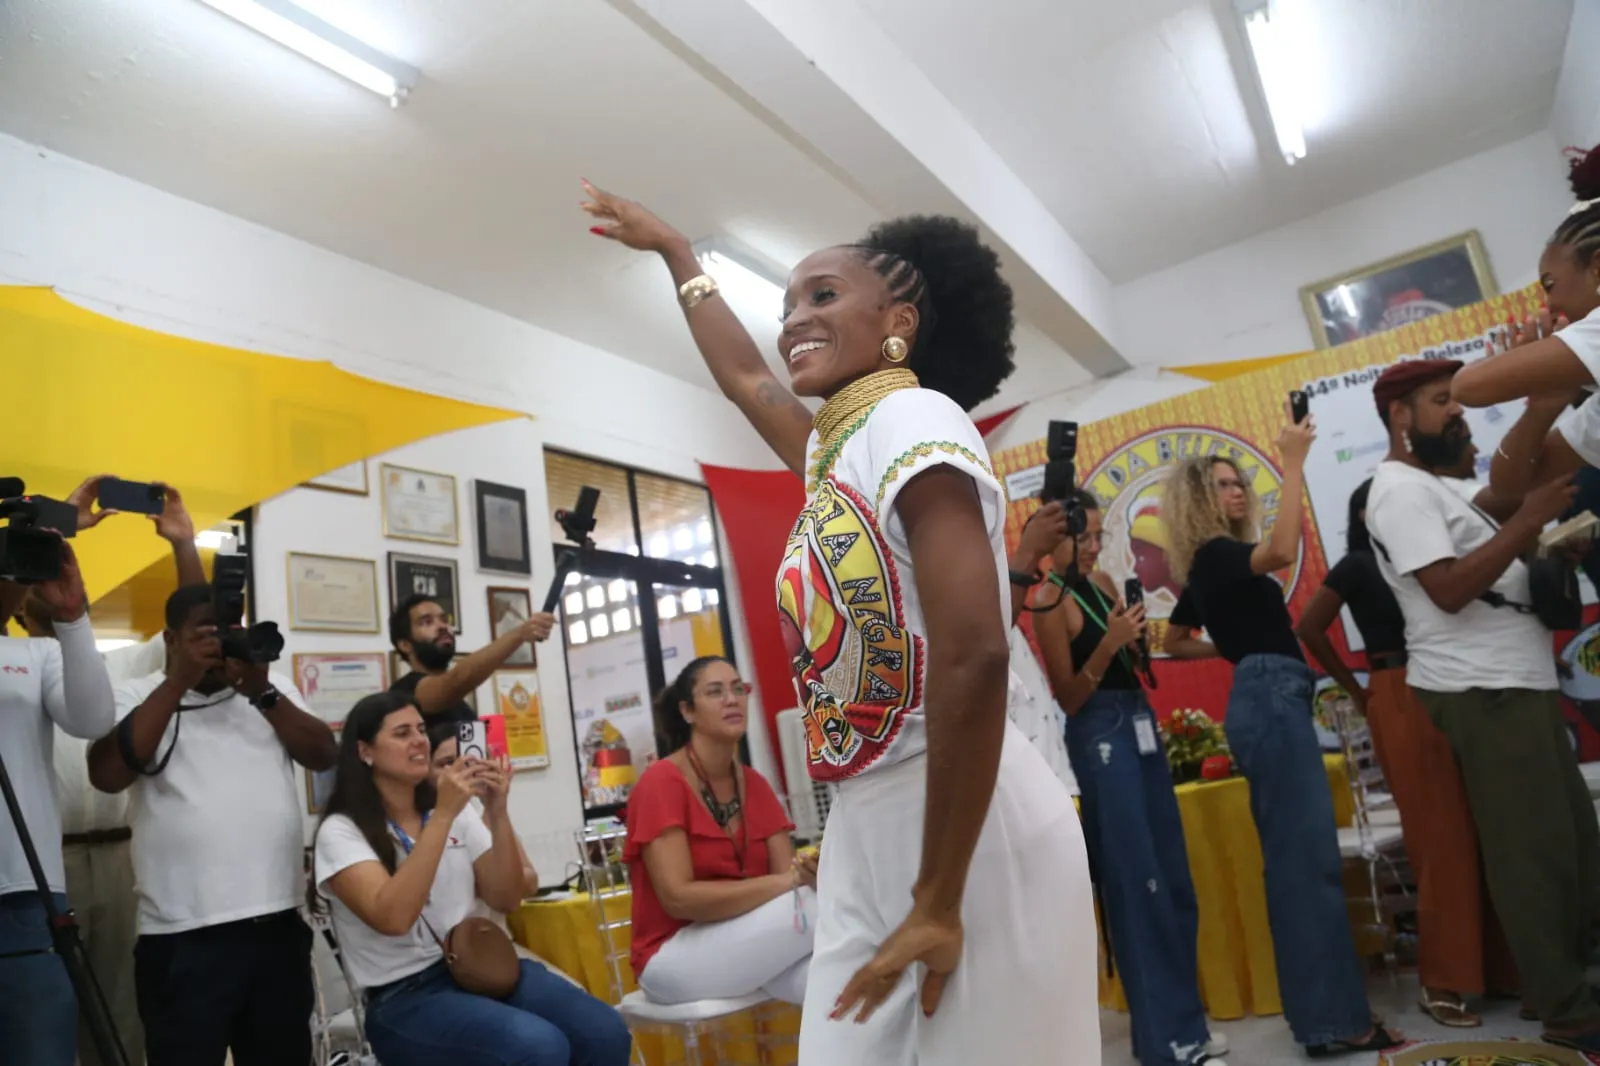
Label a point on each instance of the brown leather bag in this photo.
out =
(480, 957)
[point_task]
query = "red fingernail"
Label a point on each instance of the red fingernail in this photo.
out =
(597, 231)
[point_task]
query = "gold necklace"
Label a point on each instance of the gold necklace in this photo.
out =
(846, 411)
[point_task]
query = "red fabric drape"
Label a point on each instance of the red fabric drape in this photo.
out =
(993, 422)
(757, 509)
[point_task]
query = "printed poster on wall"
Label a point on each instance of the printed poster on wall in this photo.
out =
(1124, 460)
(516, 697)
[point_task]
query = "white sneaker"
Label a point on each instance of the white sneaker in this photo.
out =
(1217, 1046)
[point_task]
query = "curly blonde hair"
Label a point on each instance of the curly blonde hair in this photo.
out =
(1193, 514)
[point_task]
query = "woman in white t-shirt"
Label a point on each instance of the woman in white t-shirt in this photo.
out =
(399, 859)
(1556, 364)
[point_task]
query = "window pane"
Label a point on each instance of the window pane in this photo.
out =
(617, 591)
(689, 632)
(610, 691)
(596, 596)
(621, 620)
(675, 518)
(574, 603)
(577, 633)
(599, 627)
(565, 475)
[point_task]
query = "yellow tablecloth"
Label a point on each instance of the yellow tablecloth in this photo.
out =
(566, 933)
(1238, 975)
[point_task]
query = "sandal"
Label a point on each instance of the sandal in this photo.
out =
(1378, 1040)
(1448, 1009)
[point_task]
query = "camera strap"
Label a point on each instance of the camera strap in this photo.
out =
(130, 758)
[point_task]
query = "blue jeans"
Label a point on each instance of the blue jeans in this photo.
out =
(1270, 730)
(1132, 827)
(38, 1009)
(425, 1020)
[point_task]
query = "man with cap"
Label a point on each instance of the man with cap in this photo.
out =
(1485, 672)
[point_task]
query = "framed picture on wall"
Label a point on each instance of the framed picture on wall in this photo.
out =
(332, 682)
(502, 513)
(1427, 281)
(419, 505)
(508, 609)
(433, 576)
(351, 479)
(332, 594)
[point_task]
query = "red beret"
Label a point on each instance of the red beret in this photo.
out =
(1405, 377)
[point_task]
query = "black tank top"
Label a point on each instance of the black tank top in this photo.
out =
(1119, 675)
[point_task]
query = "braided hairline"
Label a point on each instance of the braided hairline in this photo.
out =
(905, 283)
(1581, 233)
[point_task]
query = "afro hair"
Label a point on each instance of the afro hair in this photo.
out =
(963, 346)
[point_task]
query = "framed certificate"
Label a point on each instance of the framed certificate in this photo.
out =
(332, 594)
(508, 609)
(516, 697)
(502, 513)
(351, 479)
(418, 505)
(433, 576)
(332, 682)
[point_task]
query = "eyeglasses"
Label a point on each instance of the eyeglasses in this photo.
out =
(1228, 484)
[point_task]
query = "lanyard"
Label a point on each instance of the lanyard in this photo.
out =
(1098, 619)
(403, 837)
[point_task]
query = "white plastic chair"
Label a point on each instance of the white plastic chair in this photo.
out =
(698, 1025)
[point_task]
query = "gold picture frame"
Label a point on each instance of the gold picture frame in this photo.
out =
(418, 512)
(1433, 279)
(335, 617)
(342, 479)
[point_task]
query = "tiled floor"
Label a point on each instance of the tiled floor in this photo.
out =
(1263, 1041)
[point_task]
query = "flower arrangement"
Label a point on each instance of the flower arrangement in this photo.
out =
(1191, 737)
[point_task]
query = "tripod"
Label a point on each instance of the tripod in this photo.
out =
(64, 934)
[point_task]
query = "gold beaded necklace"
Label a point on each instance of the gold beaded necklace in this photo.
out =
(846, 411)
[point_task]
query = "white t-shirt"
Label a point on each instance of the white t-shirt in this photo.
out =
(1420, 519)
(1581, 425)
(218, 835)
(375, 959)
(44, 681)
(1033, 709)
(847, 596)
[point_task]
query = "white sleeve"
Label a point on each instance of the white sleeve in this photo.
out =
(1581, 428)
(1583, 337)
(77, 689)
(1410, 523)
(916, 430)
(339, 846)
(469, 824)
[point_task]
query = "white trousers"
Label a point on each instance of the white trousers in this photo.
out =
(1024, 992)
(768, 949)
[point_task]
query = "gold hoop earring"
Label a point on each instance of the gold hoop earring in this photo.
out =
(895, 349)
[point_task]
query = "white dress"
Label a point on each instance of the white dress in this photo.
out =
(1024, 992)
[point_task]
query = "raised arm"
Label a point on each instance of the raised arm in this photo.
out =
(1056, 629)
(440, 692)
(308, 739)
(1282, 547)
(175, 527)
(1543, 363)
(1044, 530)
(726, 346)
(78, 698)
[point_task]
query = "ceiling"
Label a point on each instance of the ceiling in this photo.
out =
(1131, 122)
(1128, 119)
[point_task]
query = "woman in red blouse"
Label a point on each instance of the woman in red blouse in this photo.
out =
(721, 905)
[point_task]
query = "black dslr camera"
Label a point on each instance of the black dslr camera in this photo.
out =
(30, 545)
(260, 643)
(1061, 475)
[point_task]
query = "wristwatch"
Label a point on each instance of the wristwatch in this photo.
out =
(1023, 580)
(266, 699)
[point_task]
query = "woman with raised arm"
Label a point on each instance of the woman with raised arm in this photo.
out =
(1213, 521)
(1553, 357)
(950, 844)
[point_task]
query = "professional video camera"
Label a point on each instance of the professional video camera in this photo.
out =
(577, 524)
(30, 547)
(1061, 474)
(260, 643)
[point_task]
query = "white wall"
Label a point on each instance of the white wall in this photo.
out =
(144, 256)
(1088, 403)
(1575, 118)
(1242, 301)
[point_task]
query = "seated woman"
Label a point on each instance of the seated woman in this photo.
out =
(721, 906)
(401, 859)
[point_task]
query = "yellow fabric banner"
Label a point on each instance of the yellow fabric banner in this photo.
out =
(1215, 372)
(89, 394)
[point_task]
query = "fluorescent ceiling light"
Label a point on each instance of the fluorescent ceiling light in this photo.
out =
(295, 28)
(746, 280)
(1280, 70)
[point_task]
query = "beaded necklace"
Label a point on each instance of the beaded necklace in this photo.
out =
(847, 411)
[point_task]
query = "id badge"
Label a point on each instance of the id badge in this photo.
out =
(1144, 731)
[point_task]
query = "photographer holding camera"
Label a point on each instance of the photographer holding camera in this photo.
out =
(208, 747)
(42, 681)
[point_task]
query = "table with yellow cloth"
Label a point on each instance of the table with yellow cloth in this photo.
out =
(1238, 975)
(566, 934)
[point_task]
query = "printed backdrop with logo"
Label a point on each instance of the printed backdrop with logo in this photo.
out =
(1123, 461)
